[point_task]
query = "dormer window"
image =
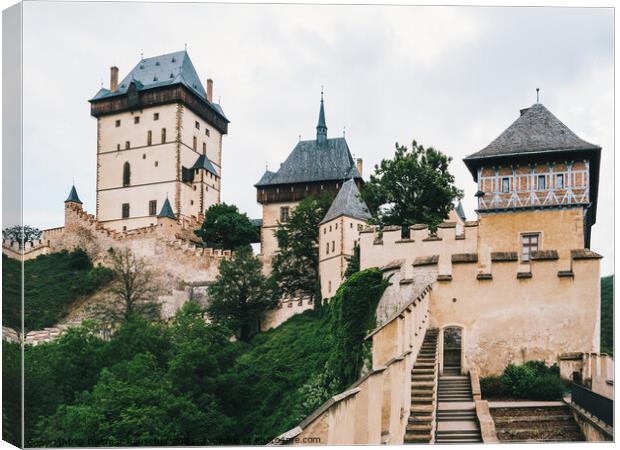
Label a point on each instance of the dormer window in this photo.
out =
(154, 78)
(157, 63)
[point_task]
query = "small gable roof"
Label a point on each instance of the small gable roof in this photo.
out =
(203, 163)
(348, 203)
(314, 161)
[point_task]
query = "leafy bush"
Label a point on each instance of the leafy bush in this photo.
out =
(493, 387)
(607, 315)
(546, 387)
(518, 378)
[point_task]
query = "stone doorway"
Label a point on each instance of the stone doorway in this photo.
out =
(452, 344)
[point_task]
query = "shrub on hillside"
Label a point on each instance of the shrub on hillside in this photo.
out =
(493, 387)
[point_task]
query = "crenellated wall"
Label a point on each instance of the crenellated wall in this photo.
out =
(31, 249)
(510, 308)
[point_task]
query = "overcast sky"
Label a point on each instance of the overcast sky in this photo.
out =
(449, 77)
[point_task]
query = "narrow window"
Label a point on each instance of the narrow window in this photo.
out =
(127, 144)
(152, 207)
(126, 174)
(197, 125)
(156, 116)
(333, 246)
(542, 183)
(351, 225)
(327, 248)
(204, 148)
(149, 137)
(336, 226)
(195, 143)
(559, 181)
(505, 184)
(117, 123)
(330, 286)
(284, 213)
(191, 202)
(163, 135)
(118, 146)
(156, 163)
(125, 210)
(143, 155)
(136, 119)
(529, 244)
(207, 132)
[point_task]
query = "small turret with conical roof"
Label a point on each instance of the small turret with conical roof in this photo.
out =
(166, 211)
(167, 223)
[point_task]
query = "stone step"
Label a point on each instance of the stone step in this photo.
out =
(422, 408)
(418, 384)
(422, 393)
(535, 419)
(419, 427)
(422, 400)
(417, 438)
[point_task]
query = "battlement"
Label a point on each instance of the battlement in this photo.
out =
(30, 250)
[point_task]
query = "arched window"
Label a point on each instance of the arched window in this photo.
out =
(126, 174)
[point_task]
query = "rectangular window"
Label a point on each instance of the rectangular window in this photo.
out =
(163, 135)
(505, 184)
(204, 148)
(125, 211)
(333, 245)
(529, 244)
(117, 123)
(197, 125)
(284, 212)
(195, 143)
(541, 185)
(127, 144)
(559, 181)
(207, 132)
(187, 175)
(327, 248)
(156, 116)
(118, 146)
(152, 207)
(149, 137)
(136, 119)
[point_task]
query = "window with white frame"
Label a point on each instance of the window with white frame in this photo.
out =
(541, 183)
(559, 181)
(530, 242)
(505, 184)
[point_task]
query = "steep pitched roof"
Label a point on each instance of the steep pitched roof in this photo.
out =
(348, 203)
(536, 130)
(166, 210)
(163, 70)
(203, 163)
(313, 161)
(73, 196)
(264, 180)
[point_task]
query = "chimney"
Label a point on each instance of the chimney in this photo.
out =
(210, 89)
(113, 78)
(360, 166)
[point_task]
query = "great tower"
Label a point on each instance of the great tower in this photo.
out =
(159, 136)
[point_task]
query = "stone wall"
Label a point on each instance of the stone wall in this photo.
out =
(31, 249)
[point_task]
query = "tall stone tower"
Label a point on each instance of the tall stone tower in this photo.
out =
(159, 135)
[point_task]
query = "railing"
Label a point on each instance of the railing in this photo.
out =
(593, 403)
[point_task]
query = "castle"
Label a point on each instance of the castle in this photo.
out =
(517, 283)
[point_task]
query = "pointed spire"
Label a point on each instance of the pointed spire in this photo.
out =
(73, 196)
(166, 211)
(321, 128)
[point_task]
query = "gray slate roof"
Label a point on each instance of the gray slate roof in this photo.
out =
(313, 161)
(536, 130)
(73, 196)
(348, 203)
(203, 163)
(164, 70)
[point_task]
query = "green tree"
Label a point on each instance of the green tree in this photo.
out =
(296, 265)
(134, 290)
(413, 187)
(241, 294)
(225, 227)
(353, 262)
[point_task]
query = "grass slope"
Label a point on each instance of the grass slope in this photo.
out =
(607, 314)
(51, 283)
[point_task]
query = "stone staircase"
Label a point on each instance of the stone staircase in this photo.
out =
(536, 424)
(457, 422)
(423, 399)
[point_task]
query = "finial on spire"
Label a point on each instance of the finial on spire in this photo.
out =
(299, 136)
(141, 55)
(537, 95)
(344, 131)
(186, 46)
(321, 92)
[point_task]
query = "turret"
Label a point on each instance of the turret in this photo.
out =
(321, 128)
(72, 205)
(167, 223)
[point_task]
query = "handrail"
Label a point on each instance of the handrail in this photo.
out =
(599, 406)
